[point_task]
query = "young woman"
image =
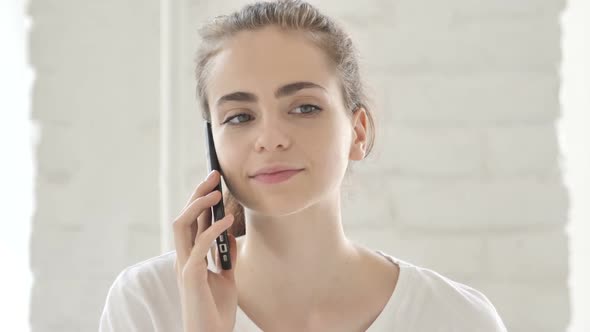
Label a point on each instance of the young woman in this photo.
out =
(280, 84)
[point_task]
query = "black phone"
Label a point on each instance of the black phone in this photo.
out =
(218, 210)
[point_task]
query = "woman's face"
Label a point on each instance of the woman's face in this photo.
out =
(303, 127)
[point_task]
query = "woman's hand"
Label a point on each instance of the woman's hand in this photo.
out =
(209, 299)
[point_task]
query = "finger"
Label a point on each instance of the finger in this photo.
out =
(205, 187)
(195, 212)
(203, 222)
(203, 242)
(194, 228)
(184, 240)
(183, 228)
(204, 219)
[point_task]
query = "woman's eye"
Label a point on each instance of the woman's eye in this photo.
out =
(235, 116)
(317, 109)
(309, 107)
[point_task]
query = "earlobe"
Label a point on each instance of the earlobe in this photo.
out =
(356, 153)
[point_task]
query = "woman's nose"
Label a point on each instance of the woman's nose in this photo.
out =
(271, 134)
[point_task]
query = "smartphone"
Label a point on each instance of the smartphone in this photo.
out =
(218, 210)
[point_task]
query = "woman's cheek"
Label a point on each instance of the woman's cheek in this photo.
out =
(231, 156)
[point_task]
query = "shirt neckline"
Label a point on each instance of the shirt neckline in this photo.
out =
(391, 306)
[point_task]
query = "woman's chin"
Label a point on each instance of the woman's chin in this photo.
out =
(277, 205)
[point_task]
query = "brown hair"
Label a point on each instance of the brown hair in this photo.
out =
(288, 15)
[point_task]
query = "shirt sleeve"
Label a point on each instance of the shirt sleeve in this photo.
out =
(483, 317)
(124, 309)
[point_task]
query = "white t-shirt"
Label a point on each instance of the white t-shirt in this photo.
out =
(145, 298)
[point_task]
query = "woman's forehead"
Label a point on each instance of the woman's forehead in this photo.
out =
(269, 54)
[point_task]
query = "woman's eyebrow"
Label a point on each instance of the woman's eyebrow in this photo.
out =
(285, 90)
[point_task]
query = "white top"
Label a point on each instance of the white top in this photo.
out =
(144, 297)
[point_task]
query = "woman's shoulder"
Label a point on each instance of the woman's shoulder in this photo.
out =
(157, 273)
(143, 297)
(149, 271)
(149, 281)
(428, 295)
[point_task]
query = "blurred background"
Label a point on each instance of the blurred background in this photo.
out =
(481, 168)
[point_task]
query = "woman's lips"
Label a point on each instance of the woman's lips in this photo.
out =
(276, 177)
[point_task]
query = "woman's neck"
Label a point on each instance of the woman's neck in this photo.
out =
(301, 257)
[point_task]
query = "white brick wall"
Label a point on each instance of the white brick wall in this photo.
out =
(96, 99)
(464, 177)
(465, 174)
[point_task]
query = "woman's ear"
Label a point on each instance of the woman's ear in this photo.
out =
(359, 134)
